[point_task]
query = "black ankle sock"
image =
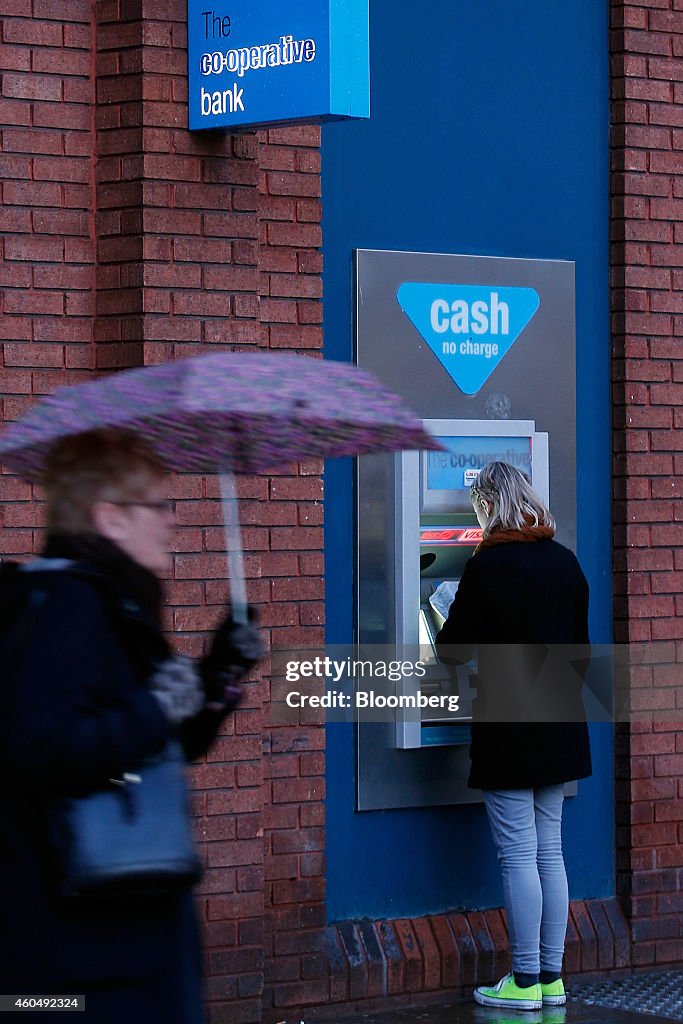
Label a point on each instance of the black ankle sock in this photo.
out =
(548, 977)
(525, 980)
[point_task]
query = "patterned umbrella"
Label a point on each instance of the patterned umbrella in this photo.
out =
(226, 412)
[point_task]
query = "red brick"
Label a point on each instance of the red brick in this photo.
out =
(666, 255)
(665, 21)
(295, 285)
(77, 11)
(33, 32)
(665, 766)
(63, 169)
(668, 70)
(278, 311)
(15, 112)
(669, 951)
(641, 89)
(588, 939)
(32, 87)
(666, 394)
(293, 184)
(626, 17)
(665, 348)
(276, 158)
(665, 114)
(31, 193)
(654, 928)
(34, 249)
(62, 62)
(297, 538)
(235, 853)
(14, 167)
(466, 947)
(31, 140)
(646, 42)
(15, 220)
(649, 137)
(296, 235)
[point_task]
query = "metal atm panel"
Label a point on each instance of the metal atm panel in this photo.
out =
(533, 383)
(436, 532)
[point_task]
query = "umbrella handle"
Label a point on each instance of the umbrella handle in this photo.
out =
(233, 545)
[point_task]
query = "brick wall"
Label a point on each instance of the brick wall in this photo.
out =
(47, 276)
(294, 766)
(127, 241)
(647, 335)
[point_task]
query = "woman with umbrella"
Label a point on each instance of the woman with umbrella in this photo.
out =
(90, 687)
(91, 690)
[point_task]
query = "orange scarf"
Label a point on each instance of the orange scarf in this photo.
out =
(525, 535)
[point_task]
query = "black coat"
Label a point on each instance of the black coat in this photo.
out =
(522, 608)
(75, 711)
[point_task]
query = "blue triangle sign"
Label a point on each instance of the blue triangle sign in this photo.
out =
(468, 327)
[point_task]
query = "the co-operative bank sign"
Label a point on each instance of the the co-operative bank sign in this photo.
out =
(469, 328)
(257, 62)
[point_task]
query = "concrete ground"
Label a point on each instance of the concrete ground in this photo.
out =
(640, 998)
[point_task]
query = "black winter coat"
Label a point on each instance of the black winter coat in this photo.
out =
(75, 711)
(522, 608)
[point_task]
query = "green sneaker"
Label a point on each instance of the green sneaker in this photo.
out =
(554, 994)
(507, 993)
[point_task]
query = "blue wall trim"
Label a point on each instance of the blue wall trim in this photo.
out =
(489, 136)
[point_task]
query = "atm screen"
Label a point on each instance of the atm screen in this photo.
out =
(447, 476)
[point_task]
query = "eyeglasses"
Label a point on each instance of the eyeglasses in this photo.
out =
(164, 505)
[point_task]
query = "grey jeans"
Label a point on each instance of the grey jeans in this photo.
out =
(527, 829)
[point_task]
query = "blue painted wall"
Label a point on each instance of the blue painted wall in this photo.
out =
(488, 136)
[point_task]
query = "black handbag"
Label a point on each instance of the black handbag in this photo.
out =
(132, 839)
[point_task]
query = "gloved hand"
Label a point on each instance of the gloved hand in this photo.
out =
(177, 686)
(235, 648)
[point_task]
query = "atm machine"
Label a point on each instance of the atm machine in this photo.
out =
(436, 532)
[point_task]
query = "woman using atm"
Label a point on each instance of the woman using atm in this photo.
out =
(522, 609)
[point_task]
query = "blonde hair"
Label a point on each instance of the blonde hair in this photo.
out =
(512, 499)
(100, 465)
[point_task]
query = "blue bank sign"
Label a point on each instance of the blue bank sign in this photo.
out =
(256, 63)
(469, 328)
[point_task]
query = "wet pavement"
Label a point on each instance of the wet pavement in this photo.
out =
(640, 998)
(469, 1013)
